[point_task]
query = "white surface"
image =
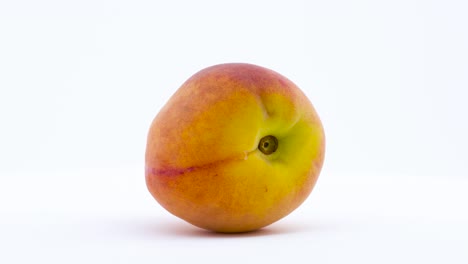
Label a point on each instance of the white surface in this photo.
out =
(351, 219)
(80, 82)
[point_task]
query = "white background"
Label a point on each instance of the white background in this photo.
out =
(80, 82)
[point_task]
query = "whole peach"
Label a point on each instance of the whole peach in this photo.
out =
(236, 148)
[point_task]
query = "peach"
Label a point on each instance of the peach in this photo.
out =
(236, 148)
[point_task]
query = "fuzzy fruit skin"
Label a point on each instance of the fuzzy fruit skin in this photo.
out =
(202, 158)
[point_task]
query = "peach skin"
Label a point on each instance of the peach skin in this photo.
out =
(236, 148)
